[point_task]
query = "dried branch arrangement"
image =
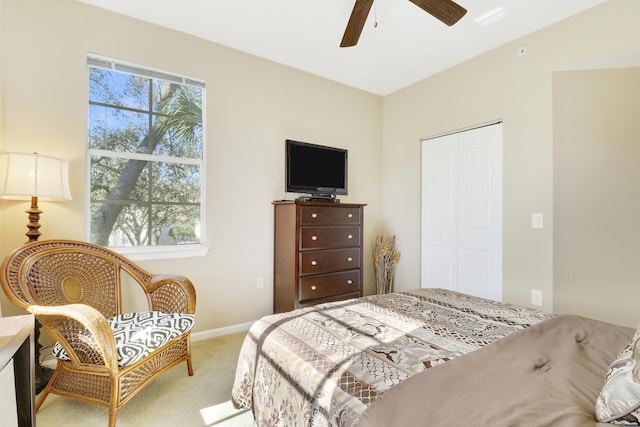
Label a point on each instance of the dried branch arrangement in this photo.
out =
(385, 258)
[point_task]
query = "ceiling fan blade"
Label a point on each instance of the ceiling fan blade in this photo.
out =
(356, 22)
(447, 11)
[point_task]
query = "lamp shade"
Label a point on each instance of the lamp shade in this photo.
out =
(24, 175)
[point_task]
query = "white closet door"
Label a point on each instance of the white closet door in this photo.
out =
(440, 221)
(462, 212)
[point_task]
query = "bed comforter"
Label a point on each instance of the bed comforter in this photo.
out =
(325, 365)
(547, 375)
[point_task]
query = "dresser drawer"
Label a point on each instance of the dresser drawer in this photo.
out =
(316, 262)
(321, 215)
(329, 237)
(326, 285)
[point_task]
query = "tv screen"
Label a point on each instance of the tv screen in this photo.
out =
(315, 169)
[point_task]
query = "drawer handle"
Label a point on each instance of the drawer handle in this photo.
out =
(314, 287)
(314, 262)
(350, 236)
(314, 237)
(350, 215)
(349, 259)
(349, 282)
(314, 215)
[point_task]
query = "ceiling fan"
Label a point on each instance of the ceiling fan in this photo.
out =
(446, 11)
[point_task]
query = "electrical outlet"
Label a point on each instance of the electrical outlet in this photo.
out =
(536, 297)
(260, 282)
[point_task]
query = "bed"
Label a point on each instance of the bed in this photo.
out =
(434, 357)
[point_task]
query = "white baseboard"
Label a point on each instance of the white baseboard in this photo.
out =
(214, 333)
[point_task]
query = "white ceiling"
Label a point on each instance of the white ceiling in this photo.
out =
(406, 46)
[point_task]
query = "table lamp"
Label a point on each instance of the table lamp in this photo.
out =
(25, 176)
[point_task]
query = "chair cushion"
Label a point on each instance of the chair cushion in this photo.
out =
(139, 334)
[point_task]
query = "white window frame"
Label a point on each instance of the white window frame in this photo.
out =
(140, 253)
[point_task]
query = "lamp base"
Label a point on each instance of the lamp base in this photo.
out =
(34, 216)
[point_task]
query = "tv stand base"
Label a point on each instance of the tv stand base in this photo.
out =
(325, 199)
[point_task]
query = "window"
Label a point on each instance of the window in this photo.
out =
(145, 146)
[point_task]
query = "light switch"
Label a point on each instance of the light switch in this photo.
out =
(536, 220)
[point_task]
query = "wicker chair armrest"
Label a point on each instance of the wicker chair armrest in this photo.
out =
(83, 332)
(172, 294)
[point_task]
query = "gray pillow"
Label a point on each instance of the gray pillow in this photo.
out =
(619, 400)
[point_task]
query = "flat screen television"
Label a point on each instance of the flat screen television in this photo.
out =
(317, 170)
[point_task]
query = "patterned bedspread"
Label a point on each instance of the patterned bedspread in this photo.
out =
(324, 365)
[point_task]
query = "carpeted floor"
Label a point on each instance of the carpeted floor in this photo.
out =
(174, 399)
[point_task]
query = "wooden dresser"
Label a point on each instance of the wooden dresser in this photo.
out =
(317, 253)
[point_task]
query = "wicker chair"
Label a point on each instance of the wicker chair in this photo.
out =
(73, 288)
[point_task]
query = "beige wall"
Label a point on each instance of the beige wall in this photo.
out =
(597, 193)
(518, 90)
(252, 106)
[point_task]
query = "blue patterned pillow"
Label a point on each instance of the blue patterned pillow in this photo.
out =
(139, 334)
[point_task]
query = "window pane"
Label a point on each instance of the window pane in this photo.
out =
(181, 139)
(118, 130)
(177, 183)
(176, 104)
(119, 89)
(176, 224)
(171, 225)
(119, 179)
(131, 227)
